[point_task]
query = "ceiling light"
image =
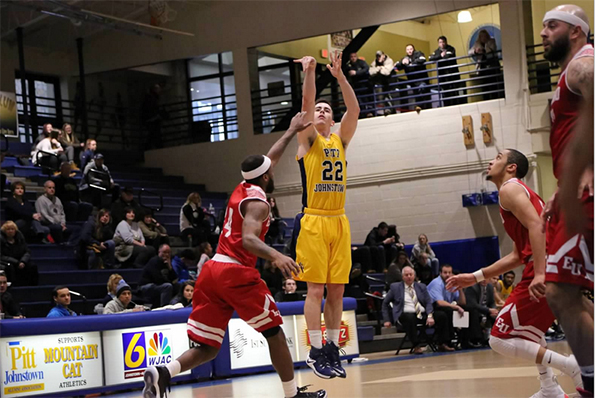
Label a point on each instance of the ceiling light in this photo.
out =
(464, 17)
(284, 103)
(191, 89)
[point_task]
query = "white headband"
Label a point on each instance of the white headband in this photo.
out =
(257, 172)
(568, 18)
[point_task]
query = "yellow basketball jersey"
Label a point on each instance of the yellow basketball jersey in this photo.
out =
(323, 174)
(504, 292)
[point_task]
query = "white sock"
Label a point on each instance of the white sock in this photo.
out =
(289, 388)
(174, 368)
(545, 372)
(334, 335)
(316, 338)
(587, 371)
(567, 365)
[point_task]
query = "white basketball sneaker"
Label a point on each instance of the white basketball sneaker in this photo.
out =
(550, 389)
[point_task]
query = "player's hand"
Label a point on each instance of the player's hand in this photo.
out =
(297, 124)
(461, 281)
(537, 288)
(405, 61)
(430, 322)
(549, 210)
(308, 63)
(387, 325)
(287, 266)
(493, 312)
(586, 182)
(335, 67)
(352, 73)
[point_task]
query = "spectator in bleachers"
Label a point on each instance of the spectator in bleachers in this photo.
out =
(445, 54)
(485, 53)
(52, 152)
(15, 256)
(417, 78)
(68, 140)
(111, 288)
(423, 269)
(96, 181)
(154, 233)
(186, 293)
(272, 277)
(391, 250)
(88, 154)
(277, 225)
(206, 253)
(494, 281)
(506, 285)
(130, 243)
(46, 130)
(53, 214)
(125, 201)
(184, 265)
(445, 303)
(394, 272)
(67, 190)
(289, 292)
(422, 246)
(62, 300)
(412, 307)
(193, 222)
(159, 280)
(122, 302)
(380, 246)
(8, 305)
(380, 72)
(20, 210)
(152, 116)
(97, 241)
(481, 306)
(357, 72)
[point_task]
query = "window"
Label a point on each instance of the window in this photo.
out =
(42, 104)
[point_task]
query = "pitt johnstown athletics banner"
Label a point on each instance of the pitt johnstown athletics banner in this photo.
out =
(8, 114)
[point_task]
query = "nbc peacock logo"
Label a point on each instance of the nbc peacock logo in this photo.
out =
(143, 349)
(159, 345)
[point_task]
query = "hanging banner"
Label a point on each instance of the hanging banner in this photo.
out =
(9, 122)
(339, 41)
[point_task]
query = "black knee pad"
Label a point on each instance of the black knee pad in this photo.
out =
(271, 332)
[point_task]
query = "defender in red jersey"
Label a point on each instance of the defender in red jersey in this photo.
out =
(230, 282)
(521, 325)
(570, 265)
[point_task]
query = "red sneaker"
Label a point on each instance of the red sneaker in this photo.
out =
(585, 393)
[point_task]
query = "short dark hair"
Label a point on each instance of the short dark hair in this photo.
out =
(56, 289)
(445, 266)
(412, 45)
(443, 38)
(402, 253)
(187, 254)
(382, 224)
(509, 272)
(323, 101)
(14, 185)
(517, 158)
(128, 209)
(251, 163)
(204, 247)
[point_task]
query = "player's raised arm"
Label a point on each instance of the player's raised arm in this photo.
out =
(309, 93)
(297, 124)
(350, 118)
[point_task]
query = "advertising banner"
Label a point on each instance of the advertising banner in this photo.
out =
(130, 351)
(348, 334)
(60, 363)
(9, 124)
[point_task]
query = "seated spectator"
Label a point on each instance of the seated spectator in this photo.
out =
(122, 302)
(495, 282)
(53, 214)
(62, 299)
(68, 140)
(20, 210)
(481, 306)
(130, 243)
(289, 292)
(154, 233)
(67, 190)
(378, 241)
(423, 269)
(485, 53)
(16, 258)
(277, 225)
(184, 265)
(357, 72)
(97, 241)
(206, 253)
(8, 305)
(445, 303)
(47, 129)
(416, 75)
(96, 181)
(394, 272)
(88, 154)
(111, 287)
(272, 277)
(422, 245)
(445, 55)
(52, 153)
(159, 280)
(125, 200)
(380, 72)
(193, 223)
(412, 308)
(506, 285)
(185, 295)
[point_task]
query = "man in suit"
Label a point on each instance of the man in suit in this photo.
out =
(481, 305)
(412, 307)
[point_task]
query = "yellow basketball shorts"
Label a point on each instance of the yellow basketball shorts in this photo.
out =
(321, 243)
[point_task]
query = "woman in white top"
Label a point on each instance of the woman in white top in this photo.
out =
(130, 244)
(49, 146)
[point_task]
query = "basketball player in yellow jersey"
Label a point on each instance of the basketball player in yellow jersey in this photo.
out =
(322, 232)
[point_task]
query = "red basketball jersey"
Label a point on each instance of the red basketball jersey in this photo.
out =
(564, 111)
(517, 231)
(230, 242)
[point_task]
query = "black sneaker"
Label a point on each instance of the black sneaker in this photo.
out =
(318, 362)
(156, 382)
(302, 393)
(332, 352)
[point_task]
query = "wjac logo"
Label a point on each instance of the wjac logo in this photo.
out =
(143, 349)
